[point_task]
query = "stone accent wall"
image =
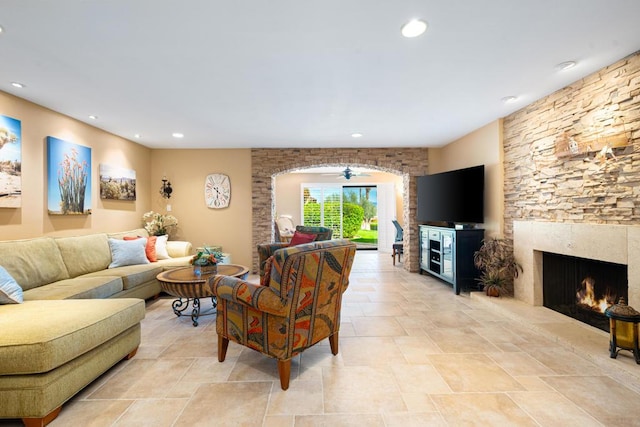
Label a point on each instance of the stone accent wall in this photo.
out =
(266, 164)
(541, 186)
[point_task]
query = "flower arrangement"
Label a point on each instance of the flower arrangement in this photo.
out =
(206, 257)
(158, 224)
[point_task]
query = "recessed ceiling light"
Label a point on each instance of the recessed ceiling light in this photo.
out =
(414, 28)
(1, 29)
(17, 84)
(509, 99)
(567, 65)
(137, 135)
(177, 135)
(356, 135)
(92, 117)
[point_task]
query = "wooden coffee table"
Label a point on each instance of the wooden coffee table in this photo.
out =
(188, 287)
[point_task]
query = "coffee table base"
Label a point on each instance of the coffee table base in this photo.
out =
(181, 304)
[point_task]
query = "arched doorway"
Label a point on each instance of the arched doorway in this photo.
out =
(268, 163)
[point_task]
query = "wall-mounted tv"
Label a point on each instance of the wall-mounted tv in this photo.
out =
(454, 197)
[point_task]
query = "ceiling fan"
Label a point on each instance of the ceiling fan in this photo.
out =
(348, 173)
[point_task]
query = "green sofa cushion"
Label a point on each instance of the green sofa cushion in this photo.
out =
(33, 262)
(84, 254)
(38, 336)
(79, 288)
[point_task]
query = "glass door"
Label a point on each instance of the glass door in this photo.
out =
(447, 255)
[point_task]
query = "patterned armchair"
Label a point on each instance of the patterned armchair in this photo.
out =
(298, 306)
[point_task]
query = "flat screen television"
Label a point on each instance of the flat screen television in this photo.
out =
(455, 197)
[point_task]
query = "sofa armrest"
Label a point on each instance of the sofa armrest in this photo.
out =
(177, 248)
(236, 290)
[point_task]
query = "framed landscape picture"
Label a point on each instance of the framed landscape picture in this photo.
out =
(10, 162)
(68, 178)
(117, 183)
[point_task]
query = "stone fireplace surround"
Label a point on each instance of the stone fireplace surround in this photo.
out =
(604, 242)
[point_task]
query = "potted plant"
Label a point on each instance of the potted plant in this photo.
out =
(206, 261)
(498, 266)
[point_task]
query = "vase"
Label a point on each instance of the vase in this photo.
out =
(197, 270)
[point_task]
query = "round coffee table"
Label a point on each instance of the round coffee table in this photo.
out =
(188, 287)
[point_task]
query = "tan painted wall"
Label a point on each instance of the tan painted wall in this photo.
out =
(481, 147)
(32, 219)
(187, 169)
(288, 190)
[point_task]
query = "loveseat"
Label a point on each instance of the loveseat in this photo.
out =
(78, 317)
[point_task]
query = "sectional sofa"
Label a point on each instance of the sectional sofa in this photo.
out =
(80, 315)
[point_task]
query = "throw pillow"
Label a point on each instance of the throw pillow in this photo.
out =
(300, 238)
(150, 249)
(161, 247)
(10, 291)
(127, 252)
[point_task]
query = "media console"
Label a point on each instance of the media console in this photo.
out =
(447, 253)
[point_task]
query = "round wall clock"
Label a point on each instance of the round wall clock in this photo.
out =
(217, 190)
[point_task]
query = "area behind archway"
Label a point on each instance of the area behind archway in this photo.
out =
(267, 163)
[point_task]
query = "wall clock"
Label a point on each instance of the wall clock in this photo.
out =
(217, 190)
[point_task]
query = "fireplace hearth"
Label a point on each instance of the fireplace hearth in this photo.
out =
(582, 288)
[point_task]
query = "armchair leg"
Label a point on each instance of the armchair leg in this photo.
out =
(223, 344)
(333, 342)
(284, 369)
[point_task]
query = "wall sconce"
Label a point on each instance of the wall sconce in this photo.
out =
(166, 189)
(623, 329)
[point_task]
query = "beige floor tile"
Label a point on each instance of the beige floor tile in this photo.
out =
(144, 378)
(414, 420)
(254, 366)
(382, 309)
(419, 379)
(562, 361)
(342, 420)
(152, 412)
(450, 319)
(520, 364)
(533, 383)
(279, 421)
(553, 409)
(419, 402)
(377, 327)
(360, 389)
(91, 413)
(460, 340)
(227, 404)
(473, 373)
(416, 349)
(302, 398)
(601, 397)
(485, 409)
(369, 351)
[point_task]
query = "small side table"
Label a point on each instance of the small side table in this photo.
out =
(189, 288)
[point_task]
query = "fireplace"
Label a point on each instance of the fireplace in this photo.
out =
(611, 243)
(582, 288)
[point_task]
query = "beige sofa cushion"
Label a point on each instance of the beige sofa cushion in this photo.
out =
(132, 275)
(38, 336)
(85, 254)
(77, 288)
(33, 262)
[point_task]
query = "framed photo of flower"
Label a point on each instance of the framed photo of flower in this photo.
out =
(10, 162)
(68, 178)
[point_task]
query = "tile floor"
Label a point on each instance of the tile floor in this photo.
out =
(411, 354)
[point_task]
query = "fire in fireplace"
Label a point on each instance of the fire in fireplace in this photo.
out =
(582, 288)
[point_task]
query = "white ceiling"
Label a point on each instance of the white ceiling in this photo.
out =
(302, 73)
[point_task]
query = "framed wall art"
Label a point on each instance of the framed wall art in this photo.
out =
(68, 178)
(117, 183)
(10, 162)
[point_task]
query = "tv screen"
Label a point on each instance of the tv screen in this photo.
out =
(454, 197)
